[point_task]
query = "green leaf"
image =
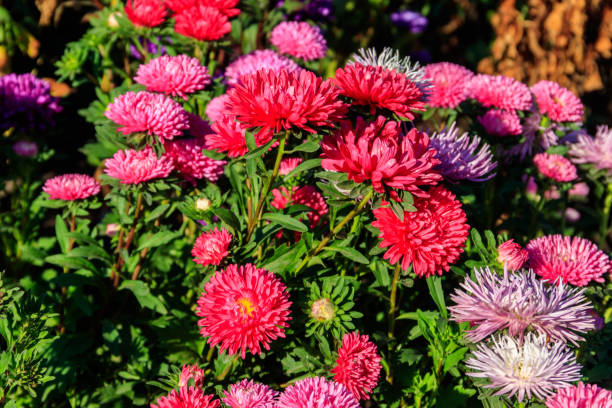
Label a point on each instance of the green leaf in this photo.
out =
(350, 253)
(143, 295)
(285, 221)
(91, 252)
(227, 217)
(70, 262)
(308, 147)
(61, 231)
(157, 212)
(453, 358)
(434, 283)
(255, 151)
(307, 165)
(157, 239)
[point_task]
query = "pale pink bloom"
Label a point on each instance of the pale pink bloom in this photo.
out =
(580, 396)
(555, 166)
(299, 39)
(216, 108)
(191, 372)
(449, 81)
(580, 189)
(71, 187)
(559, 103)
(112, 229)
(249, 394)
(498, 122)
(572, 215)
(256, 60)
(511, 255)
(288, 164)
(596, 151)
(317, 392)
(176, 76)
(24, 148)
(136, 166)
(499, 91)
(188, 160)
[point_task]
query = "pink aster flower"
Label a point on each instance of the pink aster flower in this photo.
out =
(520, 302)
(358, 365)
(216, 109)
(188, 160)
(210, 248)
(596, 151)
(70, 187)
(307, 195)
(243, 307)
(136, 166)
(555, 166)
(449, 81)
(576, 260)
(511, 255)
(145, 13)
(498, 122)
(532, 367)
(499, 92)
(187, 397)
(229, 136)
(317, 392)
(580, 396)
(24, 148)
(256, 60)
(176, 76)
(559, 103)
(288, 164)
(299, 39)
(155, 114)
(580, 190)
(191, 372)
(249, 394)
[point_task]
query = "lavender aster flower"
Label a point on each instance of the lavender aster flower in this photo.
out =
(596, 151)
(26, 103)
(462, 157)
(519, 302)
(532, 367)
(411, 20)
(256, 60)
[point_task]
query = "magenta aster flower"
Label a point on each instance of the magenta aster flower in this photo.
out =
(559, 103)
(25, 148)
(191, 372)
(210, 248)
(216, 108)
(176, 76)
(498, 122)
(249, 394)
(317, 392)
(520, 302)
(580, 396)
(499, 92)
(187, 397)
(358, 365)
(243, 307)
(299, 39)
(511, 255)
(136, 166)
(307, 195)
(555, 166)
(575, 260)
(596, 151)
(70, 187)
(256, 60)
(288, 164)
(449, 81)
(188, 160)
(532, 367)
(155, 114)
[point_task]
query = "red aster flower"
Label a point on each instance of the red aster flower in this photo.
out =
(136, 166)
(499, 91)
(377, 152)
(71, 187)
(224, 6)
(285, 100)
(555, 166)
(229, 136)
(176, 76)
(511, 255)
(307, 195)
(211, 247)
(449, 82)
(186, 154)
(187, 397)
(202, 23)
(380, 88)
(242, 308)
(145, 13)
(358, 365)
(431, 238)
(559, 103)
(191, 372)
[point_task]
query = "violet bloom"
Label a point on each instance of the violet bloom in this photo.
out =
(596, 151)
(25, 148)
(411, 20)
(316, 10)
(462, 157)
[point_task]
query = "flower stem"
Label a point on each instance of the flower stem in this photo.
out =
(534, 216)
(227, 368)
(392, 299)
(604, 227)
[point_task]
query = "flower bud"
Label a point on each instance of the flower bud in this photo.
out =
(112, 20)
(191, 371)
(203, 204)
(511, 255)
(322, 310)
(112, 229)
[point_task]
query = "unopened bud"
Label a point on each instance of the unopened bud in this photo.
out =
(112, 229)
(192, 372)
(322, 310)
(112, 20)
(203, 204)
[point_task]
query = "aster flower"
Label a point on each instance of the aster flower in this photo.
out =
(288, 164)
(176, 76)
(529, 368)
(243, 307)
(499, 91)
(596, 151)
(414, 22)
(229, 136)
(145, 13)
(580, 396)
(70, 187)
(216, 109)
(191, 372)
(511, 255)
(285, 100)
(188, 160)
(498, 122)
(323, 310)
(26, 103)
(317, 392)
(210, 248)
(576, 260)
(462, 157)
(25, 148)
(137, 166)
(256, 60)
(559, 103)
(307, 195)
(520, 302)
(299, 39)
(249, 394)
(202, 23)
(226, 7)
(555, 166)
(376, 152)
(154, 114)
(449, 82)
(187, 397)
(431, 238)
(358, 365)
(316, 9)
(579, 190)
(380, 88)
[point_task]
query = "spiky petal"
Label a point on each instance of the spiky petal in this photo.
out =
(317, 392)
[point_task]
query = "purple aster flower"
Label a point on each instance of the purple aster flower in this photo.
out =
(596, 151)
(149, 47)
(411, 20)
(256, 60)
(25, 148)
(462, 157)
(26, 103)
(315, 10)
(531, 367)
(519, 302)
(249, 394)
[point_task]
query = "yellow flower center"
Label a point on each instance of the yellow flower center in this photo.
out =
(245, 306)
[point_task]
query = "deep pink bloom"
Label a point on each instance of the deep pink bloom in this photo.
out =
(188, 160)
(576, 260)
(580, 396)
(226, 7)
(71, 187)
(555, 166)
(317, 392)
(377, 152)
(191, 372)
(136, 166)
(596, 151)
(358, 365)
(559, 103)
(187, 397)
(216, 109)
(202, 23)
(145, 13)
(229, 136)
(307, 195)
(431, 238)
(380, 88)
(499, 91)
(449, 81)
(498, 122)
(243, 307)
(299, 39)
(24, 148)
(249, 394)
(511, 255)
(256, 60)
(176, 76)
(148, 112)
(288, 164)
(210, 248)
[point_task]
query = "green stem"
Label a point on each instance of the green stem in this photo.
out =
(534, 216)
(227, 368)
(563, 210)
(392, 299)
(604, 227)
